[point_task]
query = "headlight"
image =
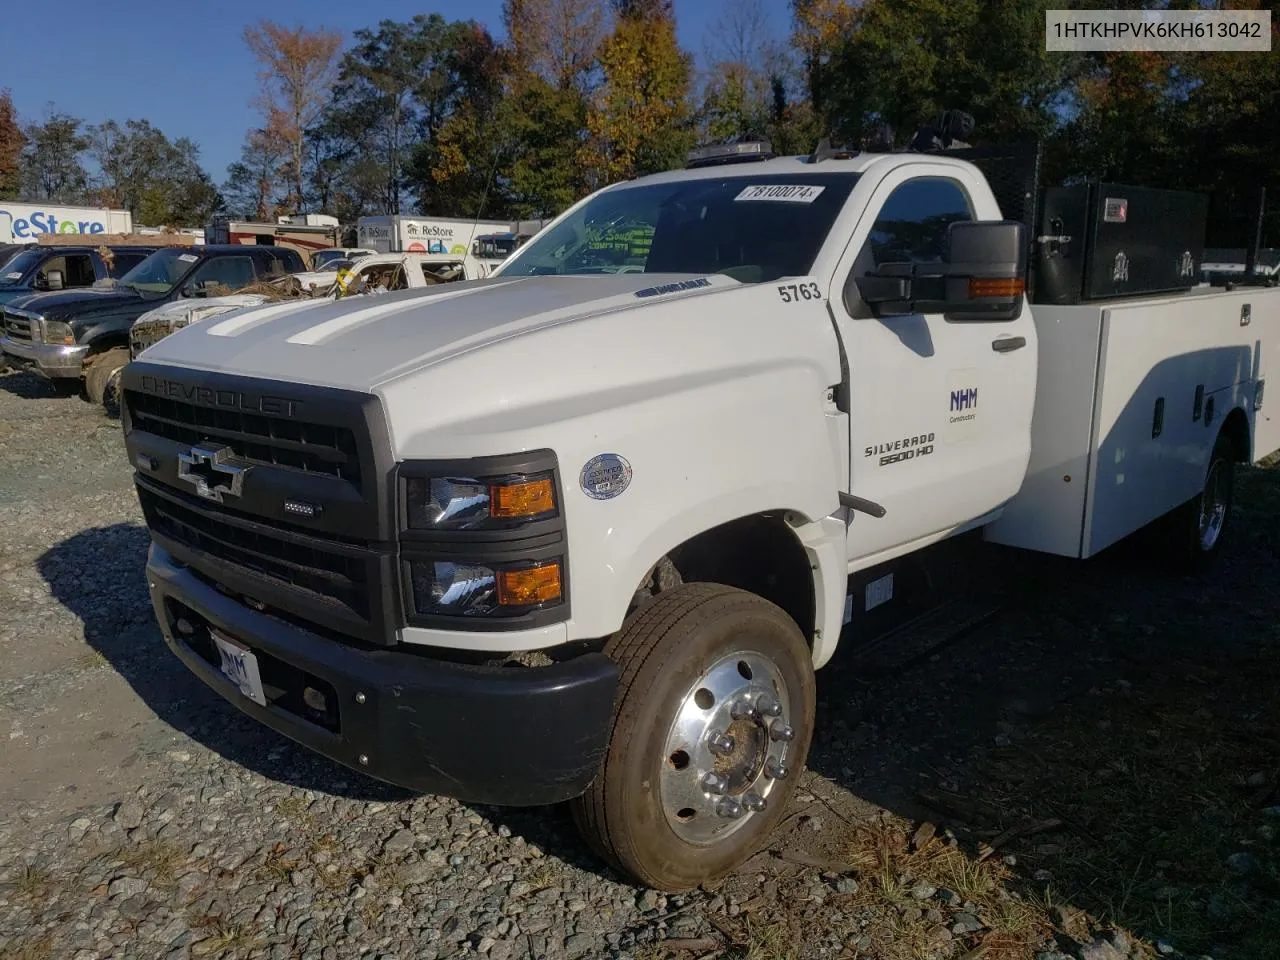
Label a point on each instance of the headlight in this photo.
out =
(457, 588)
(55, 331)
(464, 503)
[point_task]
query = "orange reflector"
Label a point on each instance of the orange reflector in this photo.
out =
(527, 498)
(1004, 287)
(521, 588)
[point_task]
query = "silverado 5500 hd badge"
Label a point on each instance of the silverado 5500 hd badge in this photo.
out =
(897, 451)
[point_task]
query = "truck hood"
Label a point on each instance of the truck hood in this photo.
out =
(363, 342)
(81, 303)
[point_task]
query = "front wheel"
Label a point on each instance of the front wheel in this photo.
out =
(712, 724)
(102, 377)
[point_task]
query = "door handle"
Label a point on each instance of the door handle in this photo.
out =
(1008, 344)
(861, 505)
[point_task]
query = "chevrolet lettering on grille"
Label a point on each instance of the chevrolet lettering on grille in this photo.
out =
(212, 472)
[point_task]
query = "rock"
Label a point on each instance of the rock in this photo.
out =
(418, 872)
(123, 887)
(648, 901)
(965, 923)
(129, 815)
(846, 885)
(401, 841)
(1100, 949)
(923, 891)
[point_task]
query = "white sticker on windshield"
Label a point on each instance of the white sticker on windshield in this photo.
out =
(789, 193)
(16, 275)
(188, 257)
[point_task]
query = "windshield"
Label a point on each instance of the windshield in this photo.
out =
(755, 228)
(494, 248)
(19, 266)
(333, 266)
(160, 272)
(322, 258)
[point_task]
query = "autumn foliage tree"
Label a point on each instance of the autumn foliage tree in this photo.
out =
(11, 144)
(639, 122)
(556, 40)
(297, 70)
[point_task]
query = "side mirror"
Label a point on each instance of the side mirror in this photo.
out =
(55, 280)
(981, 277)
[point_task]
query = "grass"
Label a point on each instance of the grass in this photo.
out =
(890, 869)
(767, 940)
(155, 858)
(40, 948)
(224, 939)
(91, 660)
(33, 882)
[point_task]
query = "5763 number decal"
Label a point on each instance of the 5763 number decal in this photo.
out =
(795, 292)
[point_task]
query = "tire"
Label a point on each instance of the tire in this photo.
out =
(102, 376)
(634, 813)
(1195, 531)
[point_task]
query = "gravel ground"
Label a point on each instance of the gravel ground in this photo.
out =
(141, 816)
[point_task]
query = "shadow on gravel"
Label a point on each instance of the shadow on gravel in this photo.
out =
(29, 386)
(1114, 730)
(99, 575)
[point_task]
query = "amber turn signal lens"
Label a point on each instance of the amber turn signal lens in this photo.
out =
(1005, 287)
(526, 498)
(523, 588)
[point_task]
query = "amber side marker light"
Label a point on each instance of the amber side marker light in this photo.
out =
(532, 585)
(524, 498)
(979, 287)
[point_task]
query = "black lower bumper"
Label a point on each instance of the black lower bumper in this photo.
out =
(511, 736)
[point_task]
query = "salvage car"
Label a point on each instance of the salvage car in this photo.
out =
(80, 338)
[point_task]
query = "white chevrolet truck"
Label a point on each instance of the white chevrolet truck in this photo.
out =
(584, 530)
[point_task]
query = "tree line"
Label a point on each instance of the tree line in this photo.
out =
(438, 116)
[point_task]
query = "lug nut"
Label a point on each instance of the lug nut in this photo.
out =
(753, 802)
(714, 783)
(729, 808)
(744, 710)
(768, 706)
(781, 732)
(775, 769)
(720, 744)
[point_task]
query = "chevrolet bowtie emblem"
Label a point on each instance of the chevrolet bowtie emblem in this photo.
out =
(211, 472)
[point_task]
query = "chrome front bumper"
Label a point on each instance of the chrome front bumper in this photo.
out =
(52, 360)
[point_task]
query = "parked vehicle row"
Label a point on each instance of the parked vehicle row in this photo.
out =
(77, 315)
(77, 335)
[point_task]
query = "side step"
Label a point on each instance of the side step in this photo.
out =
(920, 637)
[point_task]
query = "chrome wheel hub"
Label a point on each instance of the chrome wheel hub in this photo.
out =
(1213, 506)
(727, 748)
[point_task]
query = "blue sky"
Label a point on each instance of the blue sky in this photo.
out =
(184, 67)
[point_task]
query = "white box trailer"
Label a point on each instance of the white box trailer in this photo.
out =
(399, 234)
(30, 221)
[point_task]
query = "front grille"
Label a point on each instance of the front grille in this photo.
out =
(279, 558)
(309, 447)
(17, 327)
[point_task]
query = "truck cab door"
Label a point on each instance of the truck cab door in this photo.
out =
(940, 411)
